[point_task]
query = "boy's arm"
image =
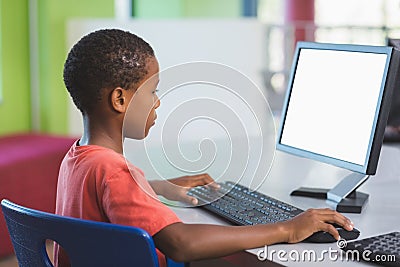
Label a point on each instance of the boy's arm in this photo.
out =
(176, 189)
(188, 242)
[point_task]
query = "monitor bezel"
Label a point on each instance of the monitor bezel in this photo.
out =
(381, 113)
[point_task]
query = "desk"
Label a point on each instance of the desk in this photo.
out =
(380, 215)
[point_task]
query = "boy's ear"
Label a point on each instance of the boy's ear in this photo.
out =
(119, 99)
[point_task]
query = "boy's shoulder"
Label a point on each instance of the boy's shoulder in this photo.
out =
(105, 165)
(98, 157)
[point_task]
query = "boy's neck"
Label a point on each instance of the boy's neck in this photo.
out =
(102, 133)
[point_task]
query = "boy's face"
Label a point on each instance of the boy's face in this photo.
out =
(141, 113)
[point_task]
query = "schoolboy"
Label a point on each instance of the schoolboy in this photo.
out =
(112, 74)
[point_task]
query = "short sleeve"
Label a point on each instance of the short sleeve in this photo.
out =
(126, 202)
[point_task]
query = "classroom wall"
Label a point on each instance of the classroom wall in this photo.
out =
(15, 108)
(186, 8)
(53, 15)
(14, 67)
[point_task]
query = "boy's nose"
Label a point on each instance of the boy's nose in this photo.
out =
(157, 104)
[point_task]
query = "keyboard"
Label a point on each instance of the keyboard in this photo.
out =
(242, 206)
(382, 249)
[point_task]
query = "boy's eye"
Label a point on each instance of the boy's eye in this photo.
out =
(155, 91)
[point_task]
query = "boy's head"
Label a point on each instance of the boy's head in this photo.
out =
(105, 68)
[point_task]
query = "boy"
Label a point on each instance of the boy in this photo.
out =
(104, 72)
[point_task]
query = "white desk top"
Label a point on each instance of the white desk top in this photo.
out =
(380, 215)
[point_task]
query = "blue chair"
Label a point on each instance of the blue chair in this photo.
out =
(87, 243)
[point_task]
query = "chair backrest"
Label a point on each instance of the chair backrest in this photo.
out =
(87, 243)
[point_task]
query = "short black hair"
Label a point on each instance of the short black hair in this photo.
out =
(104, 59)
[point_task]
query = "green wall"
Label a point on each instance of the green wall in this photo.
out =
(158, 8)
(186, 8)
(14, 55)
(53, 15)
(213, 8)
(15, 114)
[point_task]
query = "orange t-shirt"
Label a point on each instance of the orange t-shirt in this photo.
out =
(96, 183)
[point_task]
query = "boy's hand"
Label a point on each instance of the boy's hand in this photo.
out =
(176, 189)
(314, 220)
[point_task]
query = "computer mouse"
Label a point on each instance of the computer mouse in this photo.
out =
(325, 237)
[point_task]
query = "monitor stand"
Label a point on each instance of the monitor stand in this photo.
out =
(344, 195)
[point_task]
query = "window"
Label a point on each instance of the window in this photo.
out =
(340, 21)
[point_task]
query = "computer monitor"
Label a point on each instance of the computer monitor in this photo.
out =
(392, 131)
(335, 111)
(393, 42)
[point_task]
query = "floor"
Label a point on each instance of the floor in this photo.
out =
(9, 262)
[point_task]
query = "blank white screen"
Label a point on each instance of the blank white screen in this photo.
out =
(332, 105)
